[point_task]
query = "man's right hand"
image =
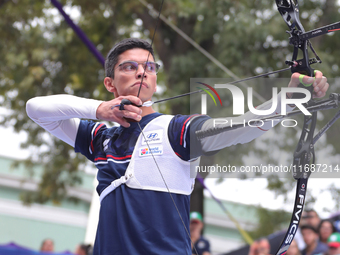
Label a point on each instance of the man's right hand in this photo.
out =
(106, 111)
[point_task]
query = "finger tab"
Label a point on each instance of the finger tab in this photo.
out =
(302, 82)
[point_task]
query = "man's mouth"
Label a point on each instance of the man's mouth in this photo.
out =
(144, 84)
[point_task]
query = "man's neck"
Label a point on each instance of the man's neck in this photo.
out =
(147, 110)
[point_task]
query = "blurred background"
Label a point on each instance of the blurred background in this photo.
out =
(47, 190)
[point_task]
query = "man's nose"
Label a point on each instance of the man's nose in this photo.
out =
(140, 71)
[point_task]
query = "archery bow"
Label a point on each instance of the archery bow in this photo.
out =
(304, 153)
(289, 11)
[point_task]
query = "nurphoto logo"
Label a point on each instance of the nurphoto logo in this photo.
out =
(238, 99)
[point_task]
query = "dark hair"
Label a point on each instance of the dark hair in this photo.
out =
(309, 227)
(120, 47)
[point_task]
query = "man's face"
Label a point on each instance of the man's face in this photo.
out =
(310, 218)
(263, 248)
(326, 229)
(314, 219)
(304, 218)
(195, 225)
(125, 84)
(48, 246)
(309, 236)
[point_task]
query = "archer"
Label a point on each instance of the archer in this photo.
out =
(141, 163)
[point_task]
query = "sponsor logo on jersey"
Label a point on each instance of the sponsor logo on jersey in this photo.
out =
(152, 137)
(105, 144)
(152, 150)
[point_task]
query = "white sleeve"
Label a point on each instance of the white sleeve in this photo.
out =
(240, 135)
(60, 114)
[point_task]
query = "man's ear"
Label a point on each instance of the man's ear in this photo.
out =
(109, 85)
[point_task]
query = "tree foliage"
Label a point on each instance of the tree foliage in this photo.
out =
(270, 222)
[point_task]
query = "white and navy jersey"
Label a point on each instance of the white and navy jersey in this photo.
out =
(125, 227)
(135, 221)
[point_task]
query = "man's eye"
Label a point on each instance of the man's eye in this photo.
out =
(151, 66)
(129, 67)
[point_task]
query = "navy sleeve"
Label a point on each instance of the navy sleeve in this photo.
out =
(182, 135)
(88, 133)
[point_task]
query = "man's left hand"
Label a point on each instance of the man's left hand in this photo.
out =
(320, 83)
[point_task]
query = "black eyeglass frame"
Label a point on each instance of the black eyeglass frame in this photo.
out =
(140, 63)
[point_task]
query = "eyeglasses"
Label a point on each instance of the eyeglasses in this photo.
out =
(131, 67)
